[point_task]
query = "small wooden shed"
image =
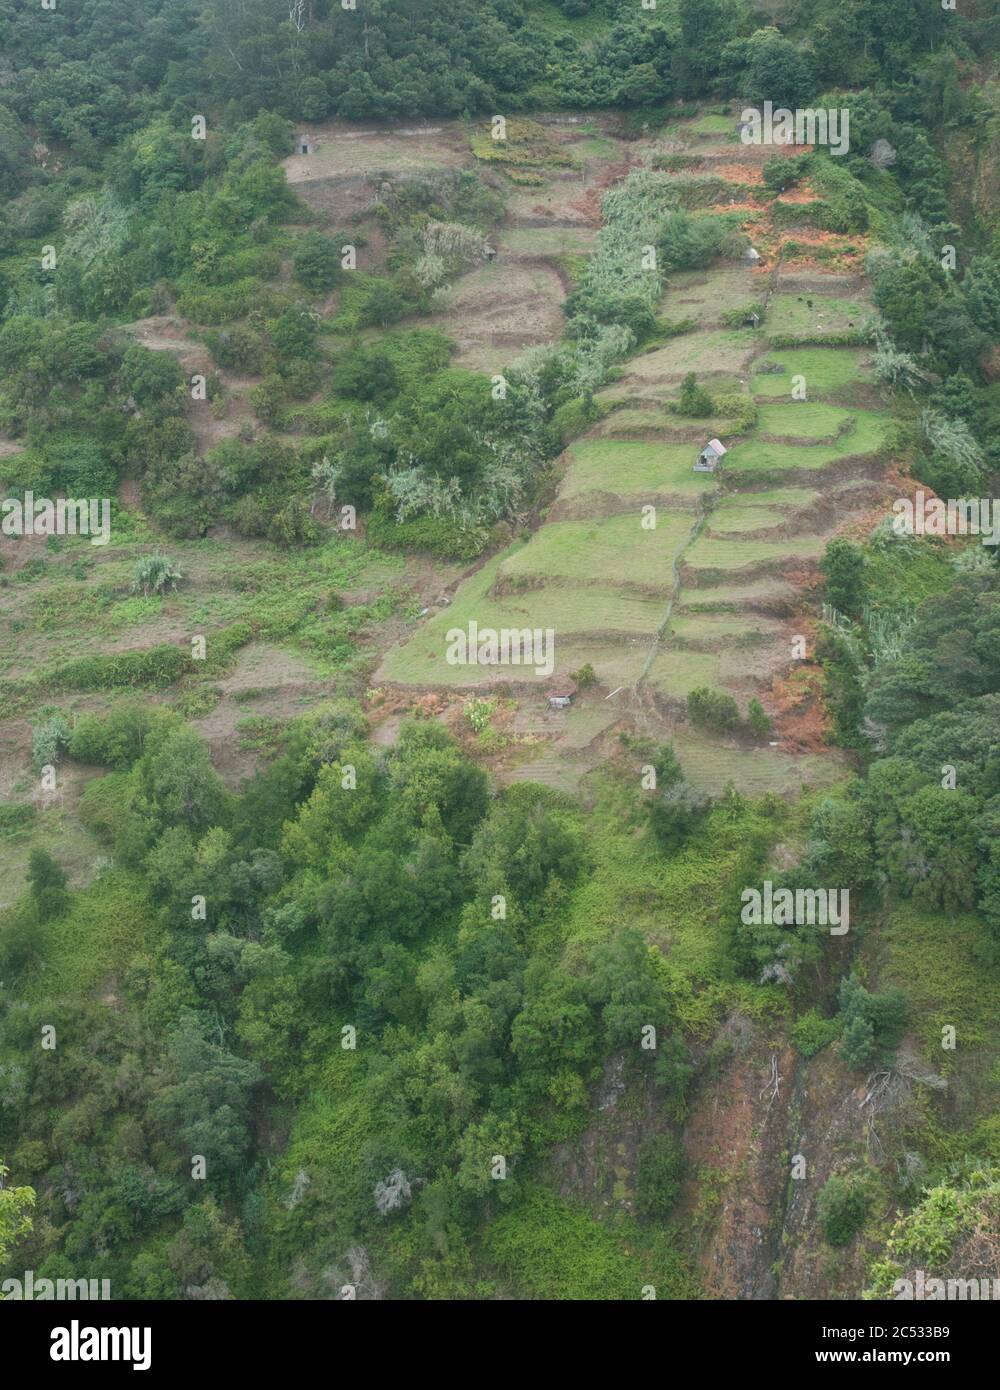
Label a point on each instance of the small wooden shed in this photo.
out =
(709, 457)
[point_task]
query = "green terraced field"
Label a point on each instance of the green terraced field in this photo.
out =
(826, 370)
(710, 767)
(616, 663)
(632, 468)
(788, 498)
(711, 125)
(590, 609)
(547, 241)
(791, 313)
(574, 615)
(756, 455)
(615, 549)
(805, 419)
(621, 424)
(707, 294)
(722, 629)
(710, 598)
(705, 351)
(733, 555)
(676, 671)
(734, 517)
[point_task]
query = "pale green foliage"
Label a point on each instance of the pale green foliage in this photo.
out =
(155, 574)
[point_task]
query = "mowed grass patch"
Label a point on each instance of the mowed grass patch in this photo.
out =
(711, 125)
(569, 610)
(627, 467)
(615, 549)
(814, 316)
(825, 370)
(724, 629)
(806, 419)
(709, 554)
(631, 421)
(705, 351)
(787, 498)
(547, 241)
(760, 456)
(705, 295)
(584, 723)
(617, 662)
(713, 598)
(676, 671)
(735, 517)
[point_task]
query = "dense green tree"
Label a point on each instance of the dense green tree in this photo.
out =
(48, 883)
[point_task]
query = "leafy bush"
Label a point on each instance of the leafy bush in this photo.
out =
(15, 817)
(47, 881)
(841, 1208)
(873, 1024)
(713, 709)
(155, 574)
(785, 171)
(694, 400)
(686, 242)
(115, 739)
(843, 567)
(812, 1032)
(758, 720)
(438, 535)
(49, 741)
(239, 349)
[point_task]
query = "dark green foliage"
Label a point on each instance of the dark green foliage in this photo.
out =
(48, 885)
(660, 1166)
(713, 709)
(694, 400)
(843, 568)
(688, 242)
(317, 262)
(783, 171)
(149, 376)
(812, 1032)
(872, 1024)
(117, 739)
(841, 1208)
(758, 721)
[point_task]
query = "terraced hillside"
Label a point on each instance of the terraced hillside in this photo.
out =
(712, 595)
(663, 579)
(284, 627)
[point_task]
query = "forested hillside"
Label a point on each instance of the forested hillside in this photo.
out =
(333, 968)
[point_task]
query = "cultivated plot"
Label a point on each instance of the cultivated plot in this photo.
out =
(614, 549)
